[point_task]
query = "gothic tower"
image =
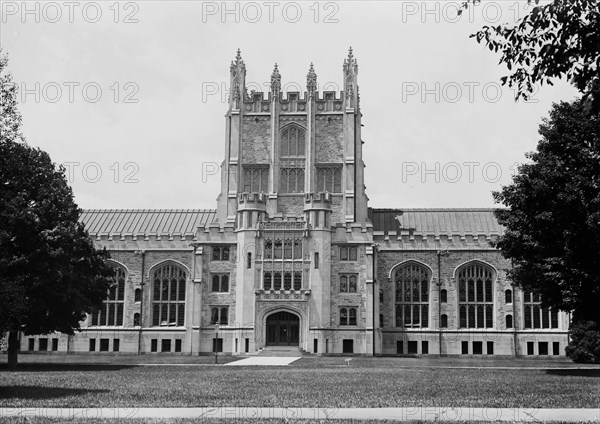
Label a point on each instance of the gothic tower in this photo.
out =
(293, 204)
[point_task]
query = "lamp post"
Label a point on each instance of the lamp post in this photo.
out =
(375, 247)
(216, 343)
(440, 253)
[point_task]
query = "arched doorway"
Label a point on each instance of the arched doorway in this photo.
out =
(283, 329)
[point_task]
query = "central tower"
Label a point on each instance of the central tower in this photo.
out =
(292, 206)
(287, 146)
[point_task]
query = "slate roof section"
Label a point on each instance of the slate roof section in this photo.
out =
(436, 222)
(146, 221)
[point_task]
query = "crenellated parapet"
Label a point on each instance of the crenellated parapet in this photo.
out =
(293, 102)
(252, 209)
(317, 209)
(214, 233)
(352, 232)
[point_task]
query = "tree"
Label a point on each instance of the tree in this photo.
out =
(558, 39)
(553, 217)
(51, 275)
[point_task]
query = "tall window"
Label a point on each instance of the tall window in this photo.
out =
(256, 179)
(329, 178)
(219, 315)
(168, 299)
(111, 312)
(284, 246)
(508, 296)
(475, 296)
(220, 283)
(412, 296)
(348, 316)
(291, 179)
(348, 283)
(293, 139)
(288, 280)
(220, 253)
(534, 316)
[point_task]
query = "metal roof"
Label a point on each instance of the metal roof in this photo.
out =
(146, 221)
(436, 221)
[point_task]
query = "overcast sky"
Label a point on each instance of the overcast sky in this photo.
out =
(131, 96)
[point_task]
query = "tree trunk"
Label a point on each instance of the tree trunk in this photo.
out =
(13, 349)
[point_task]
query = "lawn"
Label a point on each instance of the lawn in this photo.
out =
(311, 382)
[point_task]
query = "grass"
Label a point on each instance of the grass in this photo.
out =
(311, 383)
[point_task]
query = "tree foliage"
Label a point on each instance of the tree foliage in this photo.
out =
(51, 275)
(561, 38)
(585, 343)
(553, 217)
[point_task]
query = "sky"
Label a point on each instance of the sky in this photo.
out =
(130, 96)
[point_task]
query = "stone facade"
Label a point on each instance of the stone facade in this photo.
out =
(300, 260)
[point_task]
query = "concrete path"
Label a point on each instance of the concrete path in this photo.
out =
(265, 361)
(396, 414)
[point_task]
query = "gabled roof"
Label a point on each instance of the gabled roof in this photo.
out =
(436, 221)
(146, 221)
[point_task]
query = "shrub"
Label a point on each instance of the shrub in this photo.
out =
(584, 346)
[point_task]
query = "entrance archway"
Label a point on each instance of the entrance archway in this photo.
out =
(283, 329)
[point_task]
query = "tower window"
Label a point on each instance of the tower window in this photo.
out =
(329, 178)
(256, 179)
(291, 180)
(293, 139)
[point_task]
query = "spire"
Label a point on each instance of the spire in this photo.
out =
(350, 64)
(238, 64)
(311, 80)
(275, 81)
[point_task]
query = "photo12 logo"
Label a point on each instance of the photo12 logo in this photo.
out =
(93, 172)
(72, 91)
(270, 12)
(70, 11)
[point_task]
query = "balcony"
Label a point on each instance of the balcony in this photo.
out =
(279, 295)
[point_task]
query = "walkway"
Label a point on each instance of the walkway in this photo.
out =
(276, 361)
(397, 414)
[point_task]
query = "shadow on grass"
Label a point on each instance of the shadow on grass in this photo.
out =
(40, 392)
(575, 372)
(37, 367)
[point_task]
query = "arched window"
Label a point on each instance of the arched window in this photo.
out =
(111, 312)
(168, 298)
(444, 321)
(138, 295)
(509, 321)
(508, 296)
(293, 139)
(412, 296)
(444, 296)
(380, 296)
(380, 320)
(475, 296)
(136, 320)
